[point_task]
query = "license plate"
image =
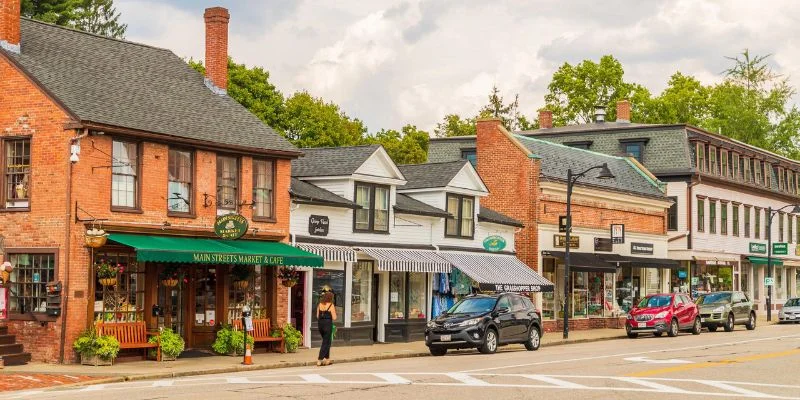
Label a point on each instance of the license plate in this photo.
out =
(790, 316)
(702, 320)
(642, 325)
(445, 338)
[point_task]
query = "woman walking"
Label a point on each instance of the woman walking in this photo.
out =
(326, 314)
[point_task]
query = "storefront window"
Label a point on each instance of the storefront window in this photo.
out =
(596, 294)
(416, 295)
(397, 295)
(123, 302)
(28, 279)
(333, 279)
(548, 299)
(746, 279)
(205, 296)
(362, 291)
(711, 278)
(626, 290)
(679, 280)
(797, 282)
(580, 294)
(252, 293)
(780, 290)
(756, 284)
(652, 281)
(407, 295)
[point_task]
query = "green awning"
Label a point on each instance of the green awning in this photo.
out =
(763, 260)
(215, 251)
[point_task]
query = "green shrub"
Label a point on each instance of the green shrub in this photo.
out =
(230, 341)
(292, 338)
(172, 344)
(89, 344)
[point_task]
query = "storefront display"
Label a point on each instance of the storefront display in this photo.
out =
(333, 279)
(362, 292)
(711, 278)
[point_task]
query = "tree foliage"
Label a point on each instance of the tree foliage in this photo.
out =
(454, 125)
(410, 146)
(95, 16)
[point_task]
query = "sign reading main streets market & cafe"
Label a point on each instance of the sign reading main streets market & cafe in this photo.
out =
(230, 226)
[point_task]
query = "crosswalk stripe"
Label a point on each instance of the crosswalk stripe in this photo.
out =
(393, 378)
(650, 384)
(555, 381)
(467, 379)
(731, 388)
(238, 380)
(163, 383)
(314, 378)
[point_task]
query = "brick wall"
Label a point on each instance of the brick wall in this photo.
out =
(597, 214)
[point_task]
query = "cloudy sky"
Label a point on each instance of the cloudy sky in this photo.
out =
(395, 62)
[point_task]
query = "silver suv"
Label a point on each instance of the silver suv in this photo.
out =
(726, 309)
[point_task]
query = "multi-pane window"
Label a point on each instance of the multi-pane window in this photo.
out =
(124, 174)
(373, 214)
(712, 160)
(748, 170)
(17, 173)
(31, 273)
(461, 222)
(701, 215)
(723, 159)
(746, 221)
(735, 166)
(470, 155)
(780, 227)
(179, 196)
(263, 188)
(123, 302)
(701, 156)
(789, 226)
(672, 215)
(712, 216)
(227, 184)
(723, 218)
(758, 224)
(757, 172)
(635, 150)
(735, 220)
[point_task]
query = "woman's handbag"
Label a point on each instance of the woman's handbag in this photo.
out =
(333, 332)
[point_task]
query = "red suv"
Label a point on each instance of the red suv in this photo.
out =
(659, 313)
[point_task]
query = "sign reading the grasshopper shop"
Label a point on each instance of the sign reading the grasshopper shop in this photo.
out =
(516, 288)
(230, 226)
(780, 249)
(494, 243)
(758, 248)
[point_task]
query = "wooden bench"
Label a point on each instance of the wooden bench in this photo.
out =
(261, 332)
(130, 335)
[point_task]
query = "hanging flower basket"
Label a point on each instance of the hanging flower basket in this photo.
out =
(241, 284)
(108, 281)
(6, 276)
(170, 282)
(95, 238)
(289, 282)
(289, 276)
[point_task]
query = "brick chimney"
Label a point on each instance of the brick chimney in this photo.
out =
(623, 111)
(545, 119)
(9, 25)
(216, 48)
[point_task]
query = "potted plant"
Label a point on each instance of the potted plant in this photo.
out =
(107, 272)
(171, 344)
(292, 338)
(5, 272)
(170, 276)
(289, 276)
(230, 341)
(94, 349)
(95, 237)
(241, 275)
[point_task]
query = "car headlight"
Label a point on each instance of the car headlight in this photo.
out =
(431, 324)
(628, 316)
(469, 322)
(662, 314)
(719, 309)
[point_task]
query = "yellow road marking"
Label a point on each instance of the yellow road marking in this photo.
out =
(687, 367)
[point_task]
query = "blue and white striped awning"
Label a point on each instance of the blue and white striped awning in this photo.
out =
(498, 272)
(407, 260)
(330, 252)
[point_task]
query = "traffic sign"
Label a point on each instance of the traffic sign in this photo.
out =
(769, 281)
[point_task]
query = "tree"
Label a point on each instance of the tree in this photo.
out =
(685, 100)
(95, 16)
(508, 113)
(311, 122)
(454, 125)
(407, 147)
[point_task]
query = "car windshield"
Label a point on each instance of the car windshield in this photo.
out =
(793, 303)
(655, 301)
(474, 305)
(714, 298)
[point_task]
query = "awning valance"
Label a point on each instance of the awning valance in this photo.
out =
(215, 251)
(496, 272)
(763, 260)
(585, 262)
(639, 261)
(407, 260)
(330, 252)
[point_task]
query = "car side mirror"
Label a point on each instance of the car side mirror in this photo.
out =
(500, 311)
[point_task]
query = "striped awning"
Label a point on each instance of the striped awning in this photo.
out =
(330, 252)
(407, 260)
(498, 272)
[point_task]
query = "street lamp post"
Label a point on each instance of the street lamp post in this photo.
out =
(771, 213)
(605, 173)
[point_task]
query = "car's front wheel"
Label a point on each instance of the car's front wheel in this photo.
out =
(697, 327)
(489, 343)
(673, 328)
(631, 335)
(728, 323)
(534, 339)
(751, 322)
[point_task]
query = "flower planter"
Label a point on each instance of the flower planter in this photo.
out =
(108, 281)
(6, 276)
(169, 282)
(289, 282)
(95, 361)
(241, 284)
(95, 241)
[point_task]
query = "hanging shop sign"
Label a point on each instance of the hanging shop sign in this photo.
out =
(603, 244)
(780, 249)
(758, 248)
(560, 240)
(230, 226)
(562, 223)
(492, 287)
(494, 243)
(318, 225)
(641, 248)
(617, 233)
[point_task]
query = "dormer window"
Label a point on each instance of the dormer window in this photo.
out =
(634, 148)
(461, 222)
(373, 216)
(470, 155)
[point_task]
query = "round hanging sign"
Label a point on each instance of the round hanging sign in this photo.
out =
(494, 243)
(230, 226)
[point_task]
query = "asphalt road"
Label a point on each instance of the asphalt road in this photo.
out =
(742, 364)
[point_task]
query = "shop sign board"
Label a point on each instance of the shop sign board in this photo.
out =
(515, 288)
(759, 248)
(780, 249)
(769, 281)
(494, 243)
(230, 226)
(603, 244)
(641, 248)
(560, 240)
(617, 233)
(318, 225)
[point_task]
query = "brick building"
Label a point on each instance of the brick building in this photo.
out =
(98, 133)
(526, 179)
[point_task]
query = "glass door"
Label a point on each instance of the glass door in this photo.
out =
(203, 304)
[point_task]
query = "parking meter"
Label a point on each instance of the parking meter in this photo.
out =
(247, 326)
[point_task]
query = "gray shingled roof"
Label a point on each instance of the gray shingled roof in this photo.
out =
(306, 192)
(129, 85)
(556, 158)
(332, 161)
(409, 205)
(597, 126)
(431, 175)
(488, 215)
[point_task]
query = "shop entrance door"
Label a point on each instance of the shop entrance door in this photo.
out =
(202, 305)
(298, 302)
(171, 305)
(375, 308)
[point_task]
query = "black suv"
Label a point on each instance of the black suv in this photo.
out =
(485, 322)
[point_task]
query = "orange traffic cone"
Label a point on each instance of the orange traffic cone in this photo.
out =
(248, 356)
